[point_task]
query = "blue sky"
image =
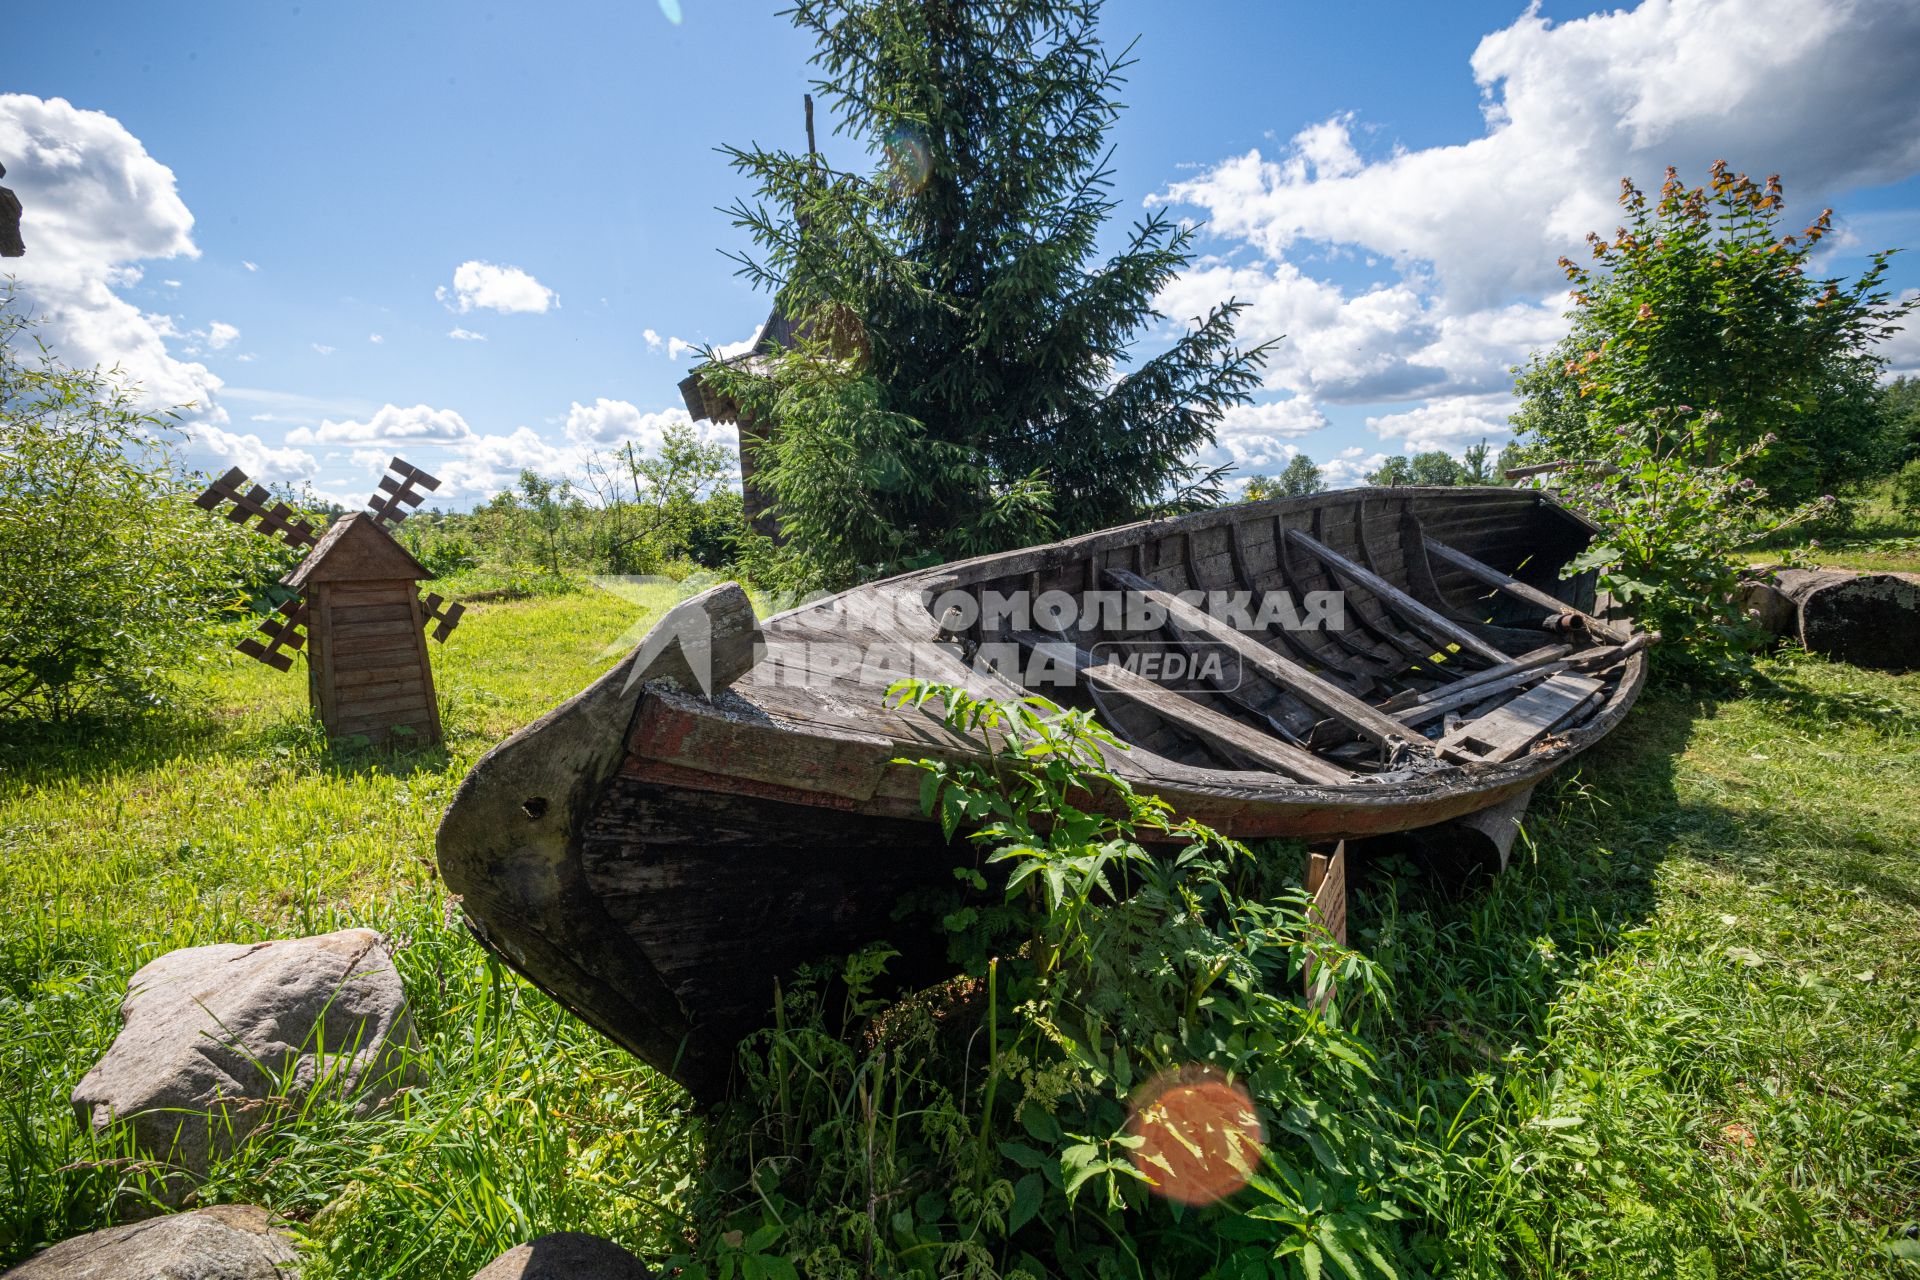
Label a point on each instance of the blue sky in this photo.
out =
(286, 212)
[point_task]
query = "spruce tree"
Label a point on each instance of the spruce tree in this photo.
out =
(962, 376)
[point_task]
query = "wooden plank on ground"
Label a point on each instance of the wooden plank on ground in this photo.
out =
(1289, 675)
(1514, 588)
(1508, 730)
(1399, 601)
(1202, 722)
(1327, 882)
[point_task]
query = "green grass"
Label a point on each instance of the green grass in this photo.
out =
(1876, 535)
(233, 822)
(1683, 1027)
(1676, 1039)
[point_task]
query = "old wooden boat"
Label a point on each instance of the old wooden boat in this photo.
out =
(724, 804)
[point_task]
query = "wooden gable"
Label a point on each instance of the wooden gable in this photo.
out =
(356, 549)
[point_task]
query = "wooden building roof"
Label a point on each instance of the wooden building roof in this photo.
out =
(709, 403)
(356, 549)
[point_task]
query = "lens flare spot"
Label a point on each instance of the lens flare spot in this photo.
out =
(908, 160)
(671, 8)
(1200, 1138)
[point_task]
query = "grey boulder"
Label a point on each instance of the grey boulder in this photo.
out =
(226, 1242)
(565, 1255)
(215, 1040)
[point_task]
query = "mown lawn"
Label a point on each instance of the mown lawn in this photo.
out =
(1678, 1038)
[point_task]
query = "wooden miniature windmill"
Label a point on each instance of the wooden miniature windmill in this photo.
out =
(358, 612)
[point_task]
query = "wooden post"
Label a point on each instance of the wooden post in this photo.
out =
(1327, 882)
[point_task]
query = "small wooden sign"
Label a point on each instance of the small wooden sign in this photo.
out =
(1327, 882)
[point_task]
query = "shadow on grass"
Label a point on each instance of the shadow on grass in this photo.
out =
(41, 753)
(304, 741)
(1478, 959)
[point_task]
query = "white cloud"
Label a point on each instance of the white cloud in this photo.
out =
(376, 339)
(488, 464)
(465, 335)
(1258, 437)
(171, 284)
(482, 284)
(1349, 468)
(653, 340)
(676, 347)
(1452, 423)
(1292, 417)
(728, 350)
(323, 348)
(264, 462)
(98, 205)
(251, 266)
(221, 335)
(473, 465)
(1903, 348)
(1466, 236)
(390, 424)
(612, 422)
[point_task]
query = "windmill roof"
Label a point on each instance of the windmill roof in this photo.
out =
(705, 402)
(356, 549)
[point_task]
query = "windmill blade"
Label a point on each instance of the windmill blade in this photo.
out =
(397, 498)
(285, 629)
(250, 503)
(447, 614)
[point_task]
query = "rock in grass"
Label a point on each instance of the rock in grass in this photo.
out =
(226, 1242)
(217, 1040)
(565, 1255)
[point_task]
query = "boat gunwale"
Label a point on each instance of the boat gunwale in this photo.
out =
(1246, 785)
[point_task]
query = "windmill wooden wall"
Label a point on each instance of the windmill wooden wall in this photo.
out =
(367, 662)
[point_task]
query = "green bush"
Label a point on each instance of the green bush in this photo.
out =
(1023, 1118)
(1906, 489)
(1704, 298)
(109, 576)
(1672, 522)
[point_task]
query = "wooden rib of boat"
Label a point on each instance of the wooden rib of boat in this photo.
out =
(724, 804)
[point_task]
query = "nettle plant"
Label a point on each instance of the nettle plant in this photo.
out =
(1675, 509)
(1123, 1076)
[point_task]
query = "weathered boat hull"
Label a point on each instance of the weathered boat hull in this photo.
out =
(656, 857)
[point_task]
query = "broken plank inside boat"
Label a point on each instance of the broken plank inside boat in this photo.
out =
(725, 804)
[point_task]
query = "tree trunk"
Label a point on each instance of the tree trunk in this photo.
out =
(1868, 619)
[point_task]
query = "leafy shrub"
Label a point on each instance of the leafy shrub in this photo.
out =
(1300, 478)
(441, 547)
(109, 576)
(1672, 524)
(1906, 489)
(1024, 1118)
(1704, 298)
